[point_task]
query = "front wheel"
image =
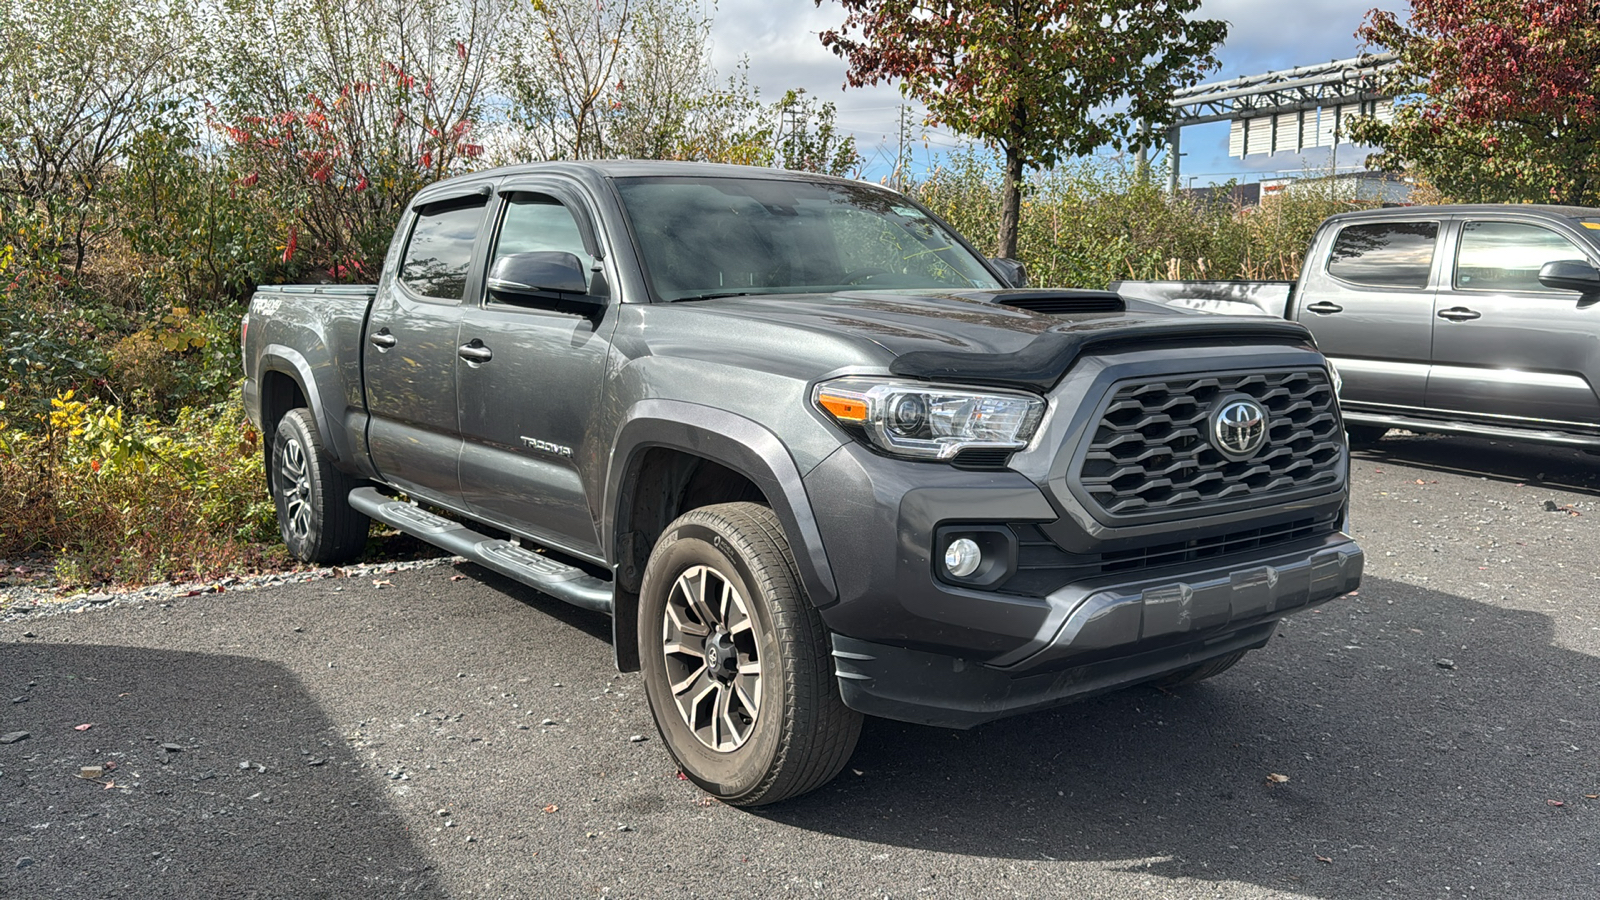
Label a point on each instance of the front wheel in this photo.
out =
(736, 660)
(315, 517)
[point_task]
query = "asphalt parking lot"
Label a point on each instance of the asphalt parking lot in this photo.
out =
(445, 733)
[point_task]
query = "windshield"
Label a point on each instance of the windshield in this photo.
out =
(718, 237)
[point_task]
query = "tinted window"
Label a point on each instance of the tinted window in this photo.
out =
(537, 222)
(1507, 256)
(1390, 254)
(440, 251)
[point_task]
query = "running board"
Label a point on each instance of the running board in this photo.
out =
(535, 570)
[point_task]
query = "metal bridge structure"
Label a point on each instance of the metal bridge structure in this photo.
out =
(1285, 111)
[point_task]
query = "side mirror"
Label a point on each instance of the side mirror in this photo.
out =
(1570, 275)
(540, 273)
(1012, 272)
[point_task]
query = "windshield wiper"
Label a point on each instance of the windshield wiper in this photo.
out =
(715, 295)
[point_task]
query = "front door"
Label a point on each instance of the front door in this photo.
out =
(530, 380)
(1505, 346)
(409, 359)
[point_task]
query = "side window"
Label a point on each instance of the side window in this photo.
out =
(440, 251)
(1386, 254)
(1507, 256)
(540, 222)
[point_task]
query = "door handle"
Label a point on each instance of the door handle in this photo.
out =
(1459, 314)
(1324, 307)
(382, 339)
(474, 352)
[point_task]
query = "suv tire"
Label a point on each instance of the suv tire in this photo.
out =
(736, 661)
(312, 497)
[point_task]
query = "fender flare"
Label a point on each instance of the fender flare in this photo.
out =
(289, 361)
(740, 444)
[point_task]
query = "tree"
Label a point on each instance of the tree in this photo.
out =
(1499, 100)
(337, 111)
(1038, 79)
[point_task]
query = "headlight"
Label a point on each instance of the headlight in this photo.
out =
(930, 421)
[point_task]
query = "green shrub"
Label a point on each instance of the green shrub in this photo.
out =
(128, 499)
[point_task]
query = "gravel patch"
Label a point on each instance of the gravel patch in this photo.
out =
(42, 598)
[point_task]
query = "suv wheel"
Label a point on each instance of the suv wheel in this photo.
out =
(314, 513)
(736, 661)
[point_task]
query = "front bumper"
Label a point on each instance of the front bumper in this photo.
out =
(1106, 637)
(911, 646)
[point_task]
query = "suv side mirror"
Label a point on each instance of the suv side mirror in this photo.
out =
(540, 273)
(1570, 275)
(1012, 272)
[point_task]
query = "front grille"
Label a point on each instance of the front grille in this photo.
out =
(1042, 566)
(1152, 451)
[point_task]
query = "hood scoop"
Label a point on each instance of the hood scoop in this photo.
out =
(1062, 302)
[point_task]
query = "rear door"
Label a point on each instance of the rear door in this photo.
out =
(1369, 302)
(530, 377)
(409, 359)
(1505, 346)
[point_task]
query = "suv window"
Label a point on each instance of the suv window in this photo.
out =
(1385, 254)
(539, 222)
(440, 251)
(1507, 256)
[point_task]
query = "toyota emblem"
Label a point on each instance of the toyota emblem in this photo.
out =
(1239, 428)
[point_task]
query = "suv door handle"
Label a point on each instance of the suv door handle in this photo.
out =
(382, 339)
(474, 352)
(1324, 307)
(1459, 314)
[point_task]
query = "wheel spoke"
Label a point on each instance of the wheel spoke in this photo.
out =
(675, 620)
(749, 699)
(698, 675)
(725, 722)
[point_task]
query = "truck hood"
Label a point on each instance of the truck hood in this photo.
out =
(975, 336)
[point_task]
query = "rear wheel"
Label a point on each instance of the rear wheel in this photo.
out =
(1208, 669)
(312, 497)
(736, 661)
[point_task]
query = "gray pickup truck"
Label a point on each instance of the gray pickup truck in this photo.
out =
(1476, 320)
(810, 452)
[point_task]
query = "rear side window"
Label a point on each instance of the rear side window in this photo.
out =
(1386, 254)
(1507, 256)
(440, 251)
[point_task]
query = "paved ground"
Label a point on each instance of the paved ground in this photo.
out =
(1440, 734)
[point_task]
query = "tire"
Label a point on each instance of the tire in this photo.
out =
(742, 688)
(1208, 669)
(312, 497)
(1363, 437)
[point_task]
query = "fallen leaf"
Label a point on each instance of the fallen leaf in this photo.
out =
(1591, 796)
(1275, 778)
(457, 577)
(682, 777)
(1555, 803)
(1324, 859)
(109, 786)
(384, 583)
(858, 771)
(84, 727)
(551, 808)
(1419, 481)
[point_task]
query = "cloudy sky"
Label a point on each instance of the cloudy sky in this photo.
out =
(779, 38)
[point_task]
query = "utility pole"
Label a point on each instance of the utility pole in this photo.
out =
(902, 151)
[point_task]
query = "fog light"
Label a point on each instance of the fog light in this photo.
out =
(962, 557)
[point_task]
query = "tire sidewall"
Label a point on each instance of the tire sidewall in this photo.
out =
(293, 428)
(738, 772)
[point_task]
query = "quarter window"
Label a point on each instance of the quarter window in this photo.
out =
(1507, 256)
(1387, 254)
(440, 251)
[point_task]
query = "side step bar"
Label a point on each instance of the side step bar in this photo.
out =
(535, 570)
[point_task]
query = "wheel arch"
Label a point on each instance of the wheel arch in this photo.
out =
(287, 382)
(670, 457)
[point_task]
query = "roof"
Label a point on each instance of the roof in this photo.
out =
(1529, 210)
(591, 170)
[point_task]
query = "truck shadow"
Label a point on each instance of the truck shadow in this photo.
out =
(1506, 461)
(1423, 740)
(254, 795)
